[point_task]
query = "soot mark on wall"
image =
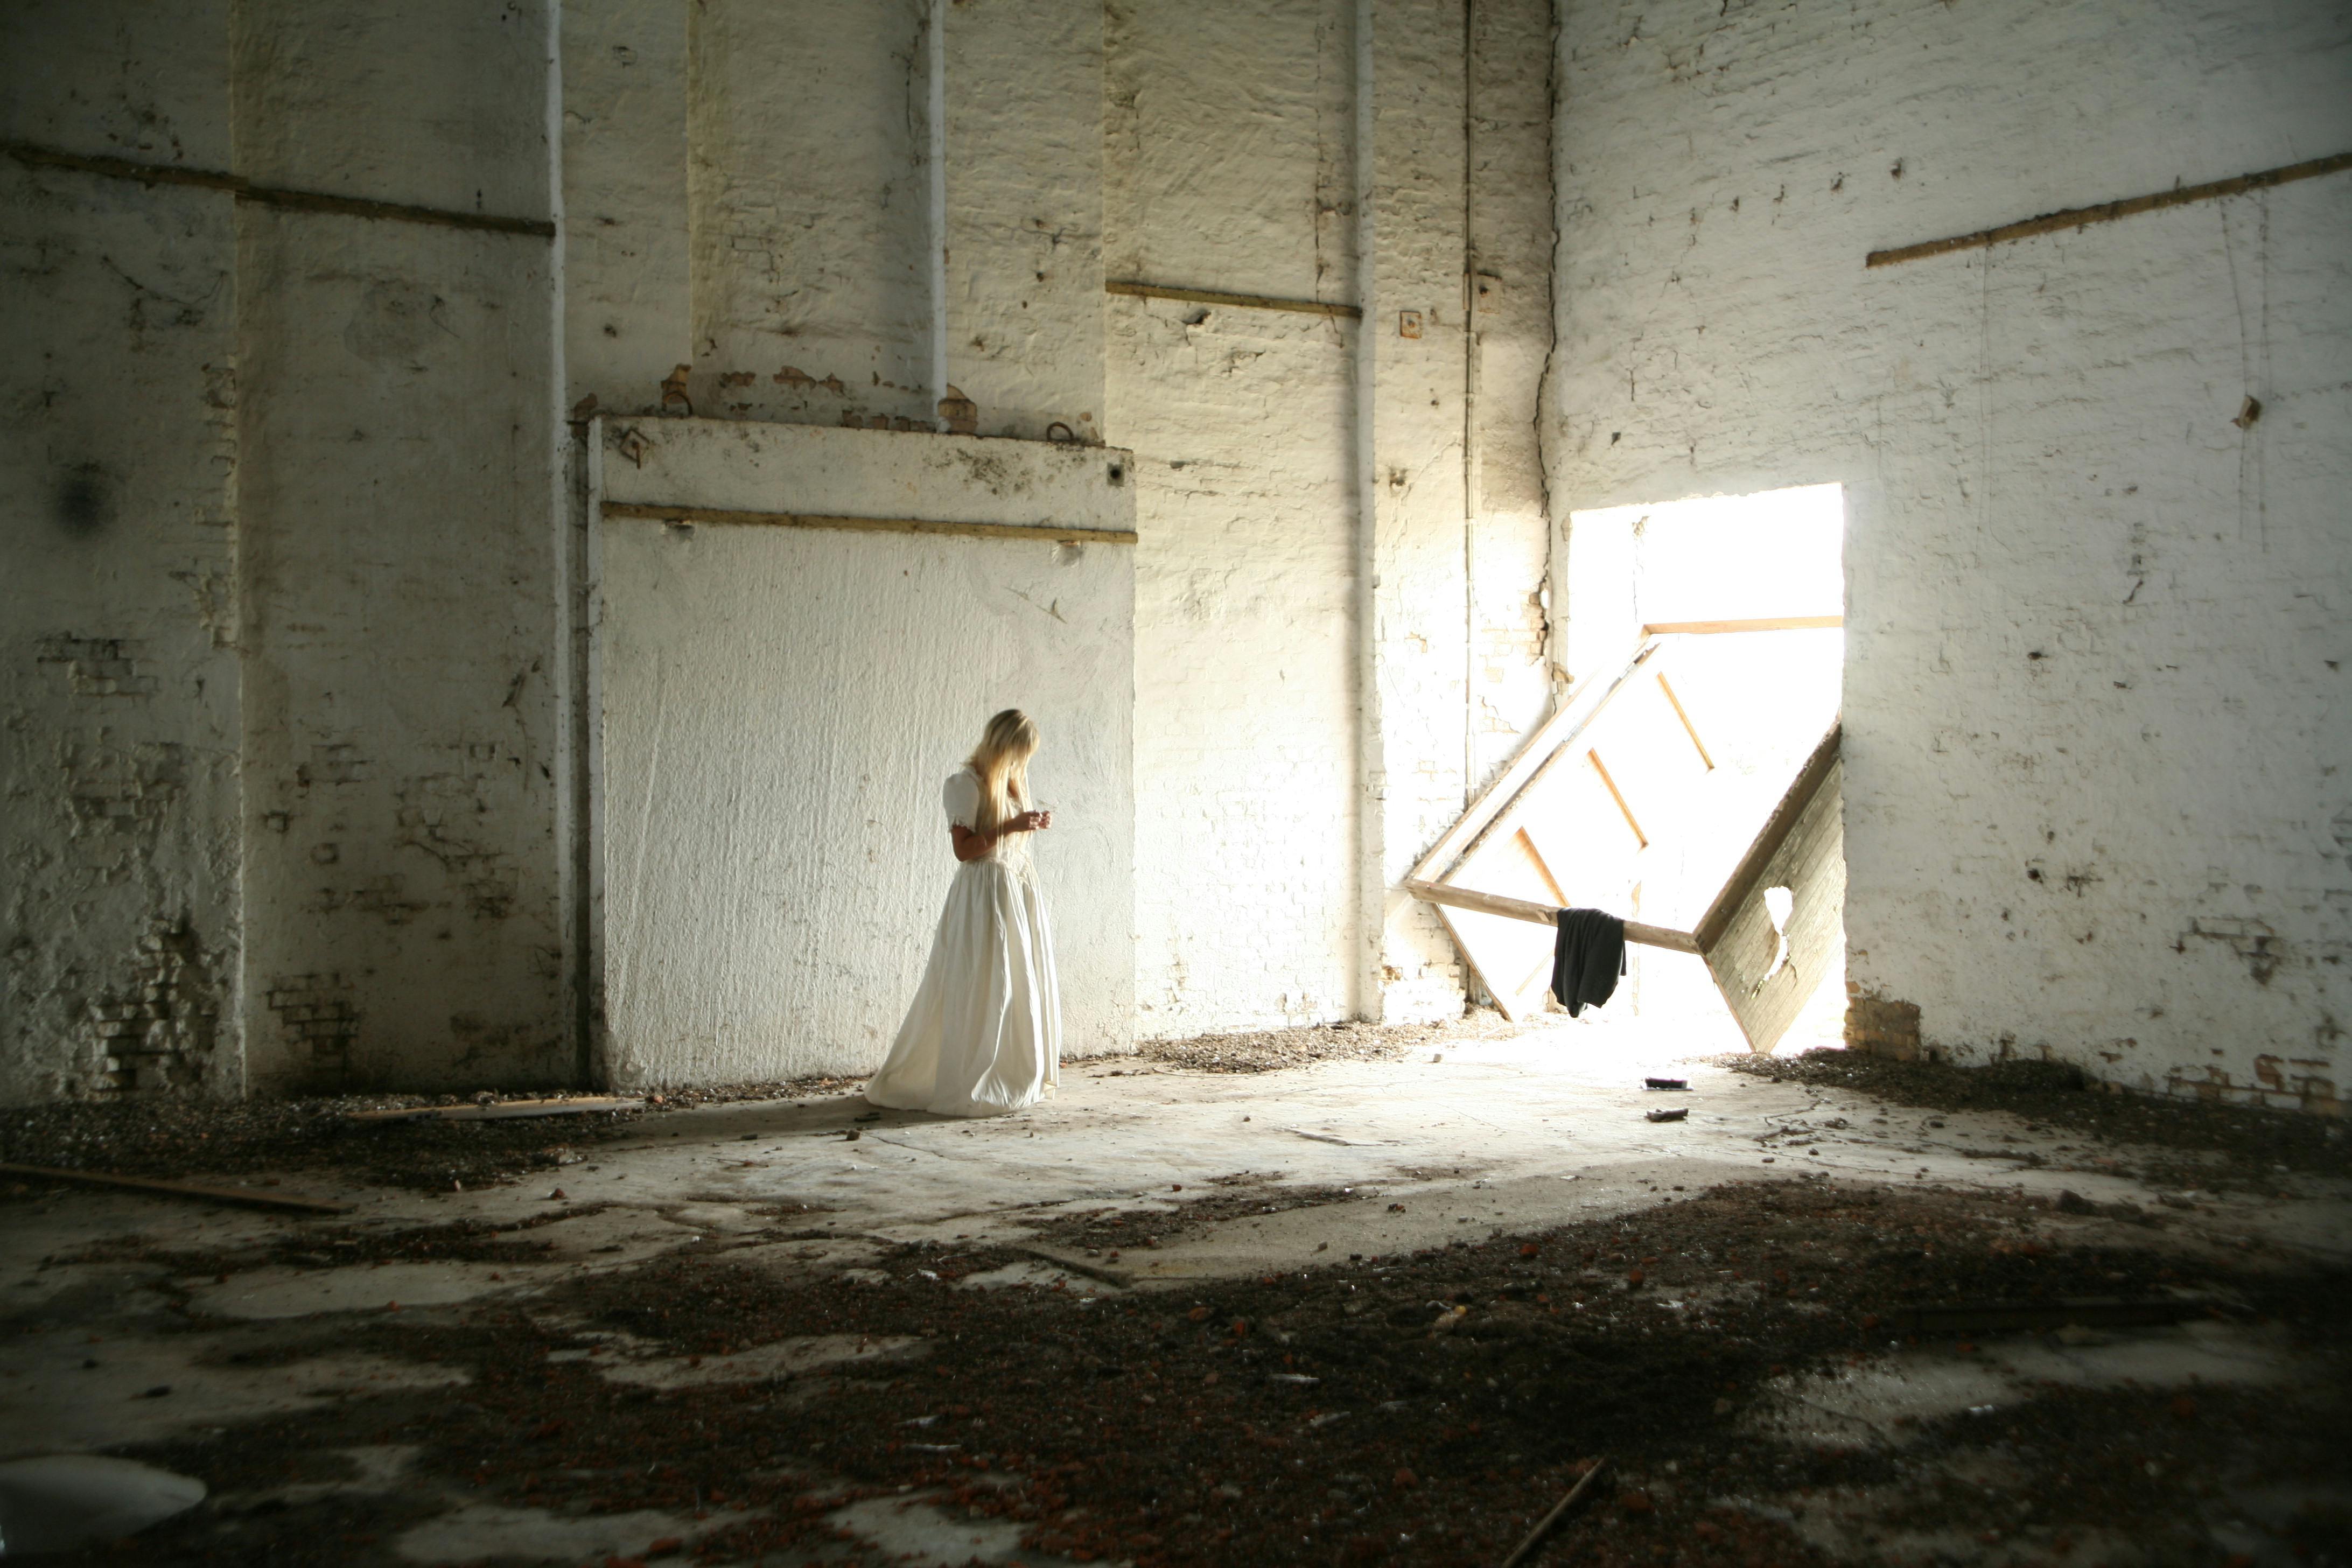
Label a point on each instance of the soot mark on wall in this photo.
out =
(83, 503)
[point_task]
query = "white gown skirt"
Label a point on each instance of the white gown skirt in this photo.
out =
(984, 1035)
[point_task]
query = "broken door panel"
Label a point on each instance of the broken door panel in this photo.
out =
(1663, 798)
(1786, 933)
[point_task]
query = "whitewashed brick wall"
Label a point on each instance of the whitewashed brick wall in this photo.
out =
(2097, 743)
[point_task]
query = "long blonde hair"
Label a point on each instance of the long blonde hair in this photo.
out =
(1002, 760)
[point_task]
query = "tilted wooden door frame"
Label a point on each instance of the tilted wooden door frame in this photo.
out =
(1555, 740)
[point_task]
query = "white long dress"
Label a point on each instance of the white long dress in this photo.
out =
(984, 1035)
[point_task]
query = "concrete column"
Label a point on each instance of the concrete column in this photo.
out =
(1414, 626)
(118, 681)
(627, 278)
(1021, 228)
(399, 582)
(1510, 248)
(805, 203)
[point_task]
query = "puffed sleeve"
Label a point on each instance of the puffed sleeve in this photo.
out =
(961, 797)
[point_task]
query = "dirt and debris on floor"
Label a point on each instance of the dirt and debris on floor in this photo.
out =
(1416, 1409)
(1364, 1312)
(1177, 1215)
(1272, 1050)
(2181, 1142)
(169, 1137)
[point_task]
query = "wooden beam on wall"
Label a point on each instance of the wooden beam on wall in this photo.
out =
(1236, 301)
(1688, 728)
(1754, 624)
(1618, 796)
(2107, 212)
(721, 517)
(1546, 746)
(244, 190)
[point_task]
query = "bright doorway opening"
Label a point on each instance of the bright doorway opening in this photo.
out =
(1691, 783)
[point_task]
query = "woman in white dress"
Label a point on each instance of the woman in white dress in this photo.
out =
(984, 1035)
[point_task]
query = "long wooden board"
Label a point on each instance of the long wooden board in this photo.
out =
(497, 1111)
(1744, 877)
(1541, 914)
(248, 1197)
(721, 517)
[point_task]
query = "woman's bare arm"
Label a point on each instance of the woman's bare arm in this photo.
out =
(970, 845)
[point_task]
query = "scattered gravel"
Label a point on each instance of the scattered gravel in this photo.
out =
(1272, 1050)
(191, 1137)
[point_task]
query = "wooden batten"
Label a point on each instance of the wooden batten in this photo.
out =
(1756, 624)
(1540, 914)
(725, 518)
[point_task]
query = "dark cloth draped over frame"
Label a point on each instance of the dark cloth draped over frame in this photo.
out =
(1587, 957)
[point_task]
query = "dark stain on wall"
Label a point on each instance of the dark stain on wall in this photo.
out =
(83, 503)
(443, 814)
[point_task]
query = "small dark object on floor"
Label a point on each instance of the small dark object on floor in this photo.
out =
(1665, 1083)
(1677, 1114)
(869, 1116)
(852, 1136)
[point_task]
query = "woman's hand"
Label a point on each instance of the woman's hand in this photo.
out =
(1031, 822)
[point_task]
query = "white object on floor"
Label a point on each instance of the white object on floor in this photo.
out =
(59, 1501)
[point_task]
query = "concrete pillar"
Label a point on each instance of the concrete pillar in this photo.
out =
(626, 274)
(1510, 246)
(405, 866)
(1020, 212)
(809, 227)
(1414, 621)
(118, 724)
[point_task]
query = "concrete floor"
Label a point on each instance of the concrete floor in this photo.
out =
(1504, 1135)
